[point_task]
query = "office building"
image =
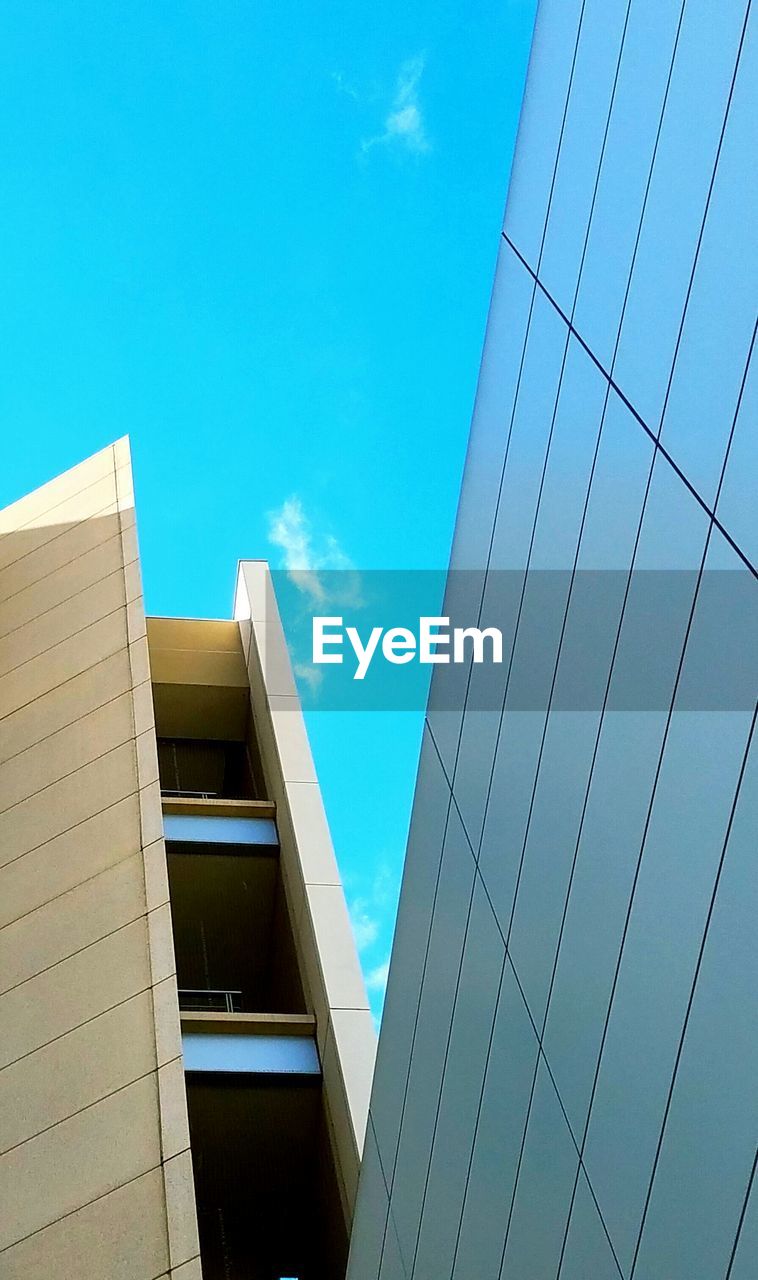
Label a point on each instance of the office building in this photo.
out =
(186, 1046)
(565, 1083)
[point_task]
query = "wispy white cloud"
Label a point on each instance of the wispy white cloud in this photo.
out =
(309, 557)
(289, 529)
(313, 676)
(404, 123)
(371, 910)
(365, 926)
(307, 554)
(376, 978)
(372, 915)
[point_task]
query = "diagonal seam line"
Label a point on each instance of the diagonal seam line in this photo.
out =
(135, 853)
(110, 508)
(67, 830)
(532, 802)
(497, 506)
(525, 343)
(107, 701)
(569, 597)
(92, 1019)
(569, 322)
(174, 1271)
(635, 881)
(89, 1105)
(93, 622)
(62, 605)
(527, 330)
(502, 713)
(509, 960)
(111, 932)
(413, 1042)
(568, 602)
(691, 999)
(582, 1167)
(554, 1083)
(743, 1214)
(59, 571)
(169, 1272)
(61, 568)
(444, 1068)
(590, 779)
(591, 473)
(659, 448)
(522, 360)
(659, 766)
(378, 1154)
(730, 441)
(577, 847)
(416, 1022)
(701, 234)
(480, 1104)
(393, 1222)
(592, 466)
(108, 657)
(594, 757)
(111, 1191)
(716, 882)
(109, 471)
(533, 798)
(539, 495)
(131, 737)
(559, 387)
(551, 299)
(505, 696)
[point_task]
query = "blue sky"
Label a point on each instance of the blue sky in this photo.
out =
(260, 239)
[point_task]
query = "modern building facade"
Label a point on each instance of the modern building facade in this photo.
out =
(186, 1046)
(565, 1084)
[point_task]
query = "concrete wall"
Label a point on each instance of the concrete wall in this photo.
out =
(325, 945)
(95, 1171)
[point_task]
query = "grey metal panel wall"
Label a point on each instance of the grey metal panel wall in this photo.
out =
(565, 1075)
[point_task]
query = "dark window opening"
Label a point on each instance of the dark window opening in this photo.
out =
(205, 769)
(232, 933)
(267, 1195)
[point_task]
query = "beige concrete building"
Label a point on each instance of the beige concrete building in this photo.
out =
(186, 1047)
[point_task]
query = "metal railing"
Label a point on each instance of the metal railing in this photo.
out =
(189, 795)
(208, 1000)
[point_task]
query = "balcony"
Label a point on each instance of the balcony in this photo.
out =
(205, 769)
(269, 1199)
(249, 1043)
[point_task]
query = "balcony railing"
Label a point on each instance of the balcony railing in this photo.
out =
(204, 1000)
(170, 793)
